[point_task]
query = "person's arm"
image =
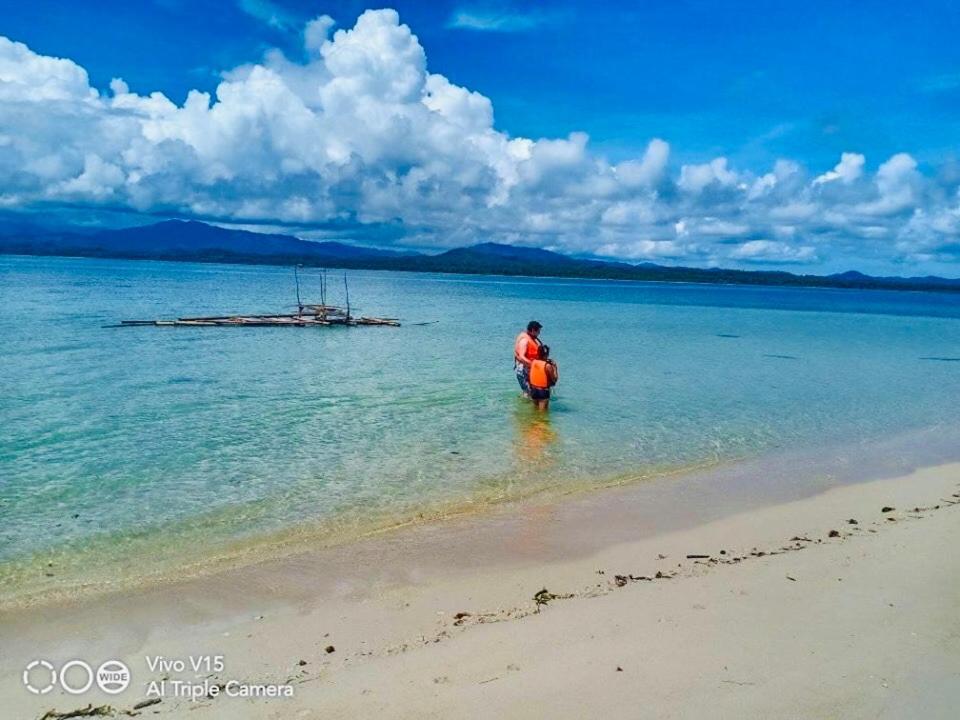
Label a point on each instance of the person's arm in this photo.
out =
(520, 352)
(554, 371)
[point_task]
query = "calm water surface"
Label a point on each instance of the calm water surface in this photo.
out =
(122, 449)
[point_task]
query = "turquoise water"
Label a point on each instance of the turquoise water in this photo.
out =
(124, 449)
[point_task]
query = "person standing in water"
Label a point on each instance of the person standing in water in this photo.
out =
(526, 349)
(544, 374)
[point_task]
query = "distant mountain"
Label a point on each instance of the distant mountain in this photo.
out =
(189, 240)
(859, 277)
(497, 252)
(199, 242)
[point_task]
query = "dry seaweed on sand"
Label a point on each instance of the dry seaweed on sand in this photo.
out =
(88, 711)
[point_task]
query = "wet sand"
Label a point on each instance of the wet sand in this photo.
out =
(793, 611)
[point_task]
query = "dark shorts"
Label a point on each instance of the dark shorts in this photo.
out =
(539, 393)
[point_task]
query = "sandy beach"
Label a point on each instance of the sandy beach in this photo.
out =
(842, 604)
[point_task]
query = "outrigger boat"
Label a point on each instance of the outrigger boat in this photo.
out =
(306, 315)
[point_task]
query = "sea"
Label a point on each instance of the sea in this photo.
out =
(130, 453)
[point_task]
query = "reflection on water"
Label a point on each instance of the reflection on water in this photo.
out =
(534, 436)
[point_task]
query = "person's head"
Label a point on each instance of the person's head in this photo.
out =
(533, 328)
(544, 352)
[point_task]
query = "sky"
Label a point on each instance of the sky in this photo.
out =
(815, 137)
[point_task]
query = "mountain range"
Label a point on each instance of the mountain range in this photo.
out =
(194, 241)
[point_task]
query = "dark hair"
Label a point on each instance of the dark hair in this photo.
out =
(544, 351)
(533, 325)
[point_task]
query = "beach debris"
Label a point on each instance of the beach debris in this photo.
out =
(88, 711)
(833, 533)
(329, 649)
(661, 556)
(887, 508)
(620, 580)
(460, 617)
(301, 663)
(851, 521)
(792, 579)
(544, 596)
(697, 557)
(619, 669)
(663, 576)
(147, 703)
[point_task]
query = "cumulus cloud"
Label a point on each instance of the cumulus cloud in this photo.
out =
(362, 137)
(649, 169)
(696, 178)
(849, 168)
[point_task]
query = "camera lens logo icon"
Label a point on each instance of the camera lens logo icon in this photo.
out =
(113, 677)
(40, 682)
(76, 677)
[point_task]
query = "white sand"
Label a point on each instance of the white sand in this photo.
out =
(856, 626)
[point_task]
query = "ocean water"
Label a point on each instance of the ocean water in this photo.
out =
(131, 451)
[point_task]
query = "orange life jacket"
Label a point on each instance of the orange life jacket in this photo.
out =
(532, 351)
(538, 375)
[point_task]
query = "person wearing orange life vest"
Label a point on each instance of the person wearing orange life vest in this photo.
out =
(526, 349)
(543, 376)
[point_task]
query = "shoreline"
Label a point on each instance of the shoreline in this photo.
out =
(319, 536)
(398, 597)
(707, 491)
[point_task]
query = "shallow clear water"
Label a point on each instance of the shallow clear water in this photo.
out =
(125, 448)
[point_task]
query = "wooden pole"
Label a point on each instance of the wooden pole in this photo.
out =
(346, 289)
(296, 275)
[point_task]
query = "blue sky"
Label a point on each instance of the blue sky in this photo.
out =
(752, 83)
(751, 80)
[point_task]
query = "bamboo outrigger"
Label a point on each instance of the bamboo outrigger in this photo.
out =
(318, 315)
(306, 315)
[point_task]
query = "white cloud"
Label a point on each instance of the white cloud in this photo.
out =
(26, 76)
(316, 32)
(268, 12)
(897, 181)
(696, 178)
(362, 135)
(649, 169)
(773, 251)
(849, 168)
(486, 20)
